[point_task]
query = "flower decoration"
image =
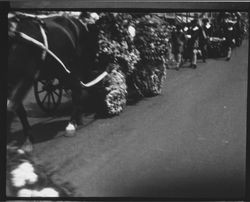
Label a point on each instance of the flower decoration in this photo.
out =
(26, 178)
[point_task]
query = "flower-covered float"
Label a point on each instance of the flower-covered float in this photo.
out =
(136, 47)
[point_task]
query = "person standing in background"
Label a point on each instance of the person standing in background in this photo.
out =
(178, 43)
(228, 34)
(193, 43)
(206, 33)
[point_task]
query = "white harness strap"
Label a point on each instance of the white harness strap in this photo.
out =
(95, 81)
(45, 40)
(41, 45)
(41, 16)
(9, 105)
(83, 24)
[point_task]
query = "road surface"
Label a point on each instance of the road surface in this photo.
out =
(188, 142)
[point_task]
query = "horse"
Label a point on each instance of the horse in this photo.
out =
(56, 46)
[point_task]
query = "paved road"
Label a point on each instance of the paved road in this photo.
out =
(188, 142)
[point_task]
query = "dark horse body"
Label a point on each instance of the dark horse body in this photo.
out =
(68, 39)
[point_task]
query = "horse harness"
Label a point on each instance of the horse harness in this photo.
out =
(44, 46)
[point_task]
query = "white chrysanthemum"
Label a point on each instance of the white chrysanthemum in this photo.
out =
(75, 13)
(22, 174)
(46, 192)
(208, 25)
(115, 101)
(95, 16)
(24, 193)
(116, 91)
(131, 31)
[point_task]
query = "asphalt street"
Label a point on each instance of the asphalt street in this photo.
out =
(188, 142)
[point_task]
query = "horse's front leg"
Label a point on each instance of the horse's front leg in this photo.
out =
(75, 120)
(28, 143)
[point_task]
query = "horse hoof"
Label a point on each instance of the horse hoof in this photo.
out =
(70, 129)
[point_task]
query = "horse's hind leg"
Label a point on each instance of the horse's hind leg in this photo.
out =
(21, 113)
(15, 106)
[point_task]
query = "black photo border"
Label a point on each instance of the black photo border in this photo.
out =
(109, 6)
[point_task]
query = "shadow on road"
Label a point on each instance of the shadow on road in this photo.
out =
(220, 59)
(186, 65)
(34, 111)
(42, 132)
(46, 126)
(210, 185)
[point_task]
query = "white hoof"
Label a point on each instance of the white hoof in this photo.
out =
(70, 129)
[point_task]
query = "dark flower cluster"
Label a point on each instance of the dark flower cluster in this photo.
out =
(152, 38)
(115, 42)
(150, 43)
(139, 44)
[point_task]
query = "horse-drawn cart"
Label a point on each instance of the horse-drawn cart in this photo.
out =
(110, 92)
(138, 60)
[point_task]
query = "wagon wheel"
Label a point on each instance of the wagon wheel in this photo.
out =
(48, 94)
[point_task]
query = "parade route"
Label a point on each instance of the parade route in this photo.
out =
(188, 142)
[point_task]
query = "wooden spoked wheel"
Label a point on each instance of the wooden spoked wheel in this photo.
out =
(48, 94)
